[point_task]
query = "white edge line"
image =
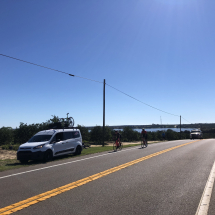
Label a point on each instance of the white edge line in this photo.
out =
(20, 173)
(34, 170)
(206, 196)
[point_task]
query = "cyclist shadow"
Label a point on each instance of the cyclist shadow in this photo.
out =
(112, 152)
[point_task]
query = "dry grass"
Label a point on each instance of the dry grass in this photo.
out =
(7, 154)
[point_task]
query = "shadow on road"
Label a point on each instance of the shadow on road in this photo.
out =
(29, 163)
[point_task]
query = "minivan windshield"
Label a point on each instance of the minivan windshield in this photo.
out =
(40, 138)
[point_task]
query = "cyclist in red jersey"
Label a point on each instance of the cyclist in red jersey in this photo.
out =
(144, 136)
(117, 139)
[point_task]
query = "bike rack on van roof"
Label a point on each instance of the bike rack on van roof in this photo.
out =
(64, 123)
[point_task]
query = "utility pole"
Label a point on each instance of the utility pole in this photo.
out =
(180, 126)
(104, 114)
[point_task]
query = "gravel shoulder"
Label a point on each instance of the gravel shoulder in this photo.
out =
(7, 154)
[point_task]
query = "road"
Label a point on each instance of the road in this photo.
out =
(171, 181)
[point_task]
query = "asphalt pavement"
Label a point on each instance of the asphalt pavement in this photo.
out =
(171, 182)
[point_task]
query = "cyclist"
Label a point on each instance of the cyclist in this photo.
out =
(118, 139)
(144, 136)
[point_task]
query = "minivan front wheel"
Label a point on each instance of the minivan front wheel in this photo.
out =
(47, 156)
(78, 150)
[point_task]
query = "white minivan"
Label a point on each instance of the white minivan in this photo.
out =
(47, 144)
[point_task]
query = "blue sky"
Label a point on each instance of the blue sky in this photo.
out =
(159, 51)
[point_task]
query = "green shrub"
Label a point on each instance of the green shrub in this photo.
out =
(10, 147)
(6, 135)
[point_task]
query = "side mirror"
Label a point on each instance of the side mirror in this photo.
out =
(53, 142)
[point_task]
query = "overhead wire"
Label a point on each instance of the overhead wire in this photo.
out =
(186, 120)
(91, 80)
(49, 68)
(141, 101)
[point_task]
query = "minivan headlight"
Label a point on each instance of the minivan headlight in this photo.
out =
(39, 147)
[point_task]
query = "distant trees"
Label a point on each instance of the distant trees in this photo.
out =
(172, 135)
(84, 132)
(96, 134)
(128, 135)
(108, 134)
(208, 133)
(6, 135)
(24, 132)
(21, 134)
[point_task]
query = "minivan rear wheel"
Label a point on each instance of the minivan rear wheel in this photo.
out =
(78, 150)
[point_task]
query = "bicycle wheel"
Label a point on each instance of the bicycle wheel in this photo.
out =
(146, 143)
(142, 145)
(114, 147)
(121, 146)
(70, 122)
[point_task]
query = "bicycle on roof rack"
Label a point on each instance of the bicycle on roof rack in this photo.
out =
(67, 122)
(63, 123)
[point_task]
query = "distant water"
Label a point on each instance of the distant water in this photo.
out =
(161, 129)
(157, 129)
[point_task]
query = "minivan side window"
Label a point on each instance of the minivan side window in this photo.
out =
(59, 136)
(76, 134)
(53, 139)
(67, 135)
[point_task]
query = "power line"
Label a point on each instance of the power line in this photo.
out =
(49, 68)
(90, 80)
(141, 101)
(186, 120)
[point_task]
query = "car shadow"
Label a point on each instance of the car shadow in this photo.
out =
(31, 162)
(17, 163)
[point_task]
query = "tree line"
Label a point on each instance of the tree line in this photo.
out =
(17, 136)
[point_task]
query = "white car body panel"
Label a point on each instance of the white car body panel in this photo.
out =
(69, 140)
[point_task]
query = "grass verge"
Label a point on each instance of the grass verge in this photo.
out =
(9, 164)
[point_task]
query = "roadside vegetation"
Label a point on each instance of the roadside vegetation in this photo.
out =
(11, 138)
(8, 164)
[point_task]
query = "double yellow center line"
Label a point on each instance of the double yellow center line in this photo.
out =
(43, 196)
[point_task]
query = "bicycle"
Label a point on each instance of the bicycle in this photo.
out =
(67, 122)
(144, 143)
(117, 146)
